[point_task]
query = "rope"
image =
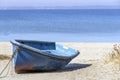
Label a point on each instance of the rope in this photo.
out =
(7, 65)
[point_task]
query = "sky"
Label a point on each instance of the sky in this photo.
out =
(59, 3)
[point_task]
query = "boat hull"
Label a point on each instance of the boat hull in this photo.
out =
(27, 58)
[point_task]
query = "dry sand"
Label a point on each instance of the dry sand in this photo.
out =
(89, 65)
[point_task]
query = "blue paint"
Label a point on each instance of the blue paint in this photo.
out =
(43, 56)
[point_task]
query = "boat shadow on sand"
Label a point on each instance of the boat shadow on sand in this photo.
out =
(69, 67)
(74, 66)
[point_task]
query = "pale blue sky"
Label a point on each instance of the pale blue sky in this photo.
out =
(65, 3)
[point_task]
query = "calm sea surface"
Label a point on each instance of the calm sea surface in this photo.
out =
(82, 25)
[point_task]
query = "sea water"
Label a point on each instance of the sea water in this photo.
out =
(79, 25)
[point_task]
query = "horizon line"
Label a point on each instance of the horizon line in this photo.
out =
(62, 7)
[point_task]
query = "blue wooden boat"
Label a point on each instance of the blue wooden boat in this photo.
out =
(40, 56)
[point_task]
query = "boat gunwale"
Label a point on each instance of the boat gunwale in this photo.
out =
(14, 42)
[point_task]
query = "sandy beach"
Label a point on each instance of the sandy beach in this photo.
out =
(89, 65)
